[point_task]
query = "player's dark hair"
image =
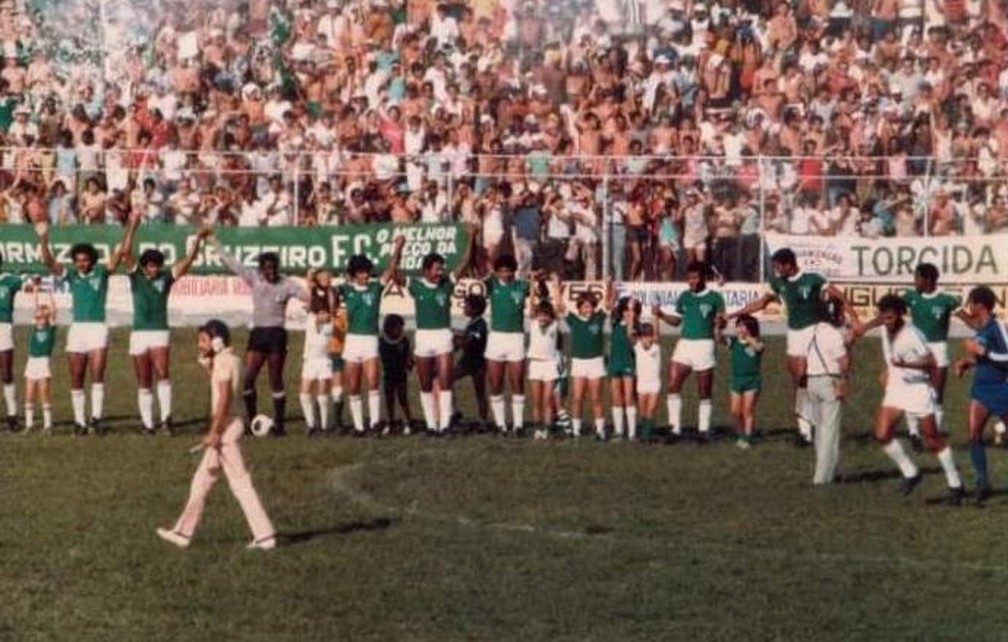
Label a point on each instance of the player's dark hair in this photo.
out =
(392, 321)
(217, 329)
(750, 323)
(505, 261)
(84, 248)
(892, 303)
(927, 271)
(430, 260)
(587, 297)
(320, 300)
(647, 329)
(983, 295)
(784, 256)
(269, 257)
(477, 302)
(699, 267)
(152, 256)
(624, 303)
(359, 263)
(545, 307)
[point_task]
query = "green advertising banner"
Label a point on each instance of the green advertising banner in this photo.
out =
(300, 248)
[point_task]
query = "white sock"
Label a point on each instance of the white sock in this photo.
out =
(47, 416)
(947, 462)
(10, 399)
(518, 410)
(497, 407)
(77, 401)
(337, 394)
(323, 410)
(357, 412)
(895, 452)
(427, 405)
(631, 418)
(374, 407)
(913, 425)
(145, 401)
(29, 416)
(308, 409)
(674, 402)
(704, 415)
(999, 427)
(600, 426)
(617, 420)
(164, 397)
(576, 427)
(445, 409)
(97, 400)
(802, 413)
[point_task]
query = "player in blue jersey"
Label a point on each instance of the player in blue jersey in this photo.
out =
(988, 357)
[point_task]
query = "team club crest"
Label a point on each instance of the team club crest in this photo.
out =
(705, 309)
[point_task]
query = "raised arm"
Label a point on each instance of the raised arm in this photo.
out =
(127, 256)
(467, 255)
(609, 299)
(393, 265)
(230, 262)
(46, 253)
(182, 267)
(556, 294)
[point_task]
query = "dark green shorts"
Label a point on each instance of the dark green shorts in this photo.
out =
(337, 362)
(615, 369)
(745, 384)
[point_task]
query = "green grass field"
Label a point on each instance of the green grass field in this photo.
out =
(484, 538)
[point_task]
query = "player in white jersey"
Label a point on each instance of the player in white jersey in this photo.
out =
(542, 363)
(647, 359)
(908, 390)
(316, 368)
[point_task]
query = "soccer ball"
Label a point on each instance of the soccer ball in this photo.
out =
(262, 425)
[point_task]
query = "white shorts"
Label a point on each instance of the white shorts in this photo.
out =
(799, 341)
(37, 368)
(316, 369)
(698, 354)
(588, 368)
(648, 386)
(916, 399)
(505, 346)
(939, 349)
(359, 348)
(6, 337)
(142, 341)
(542, 370)
(86, 337)
(433, 343)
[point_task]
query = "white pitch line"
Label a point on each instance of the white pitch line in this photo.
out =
(340, 483)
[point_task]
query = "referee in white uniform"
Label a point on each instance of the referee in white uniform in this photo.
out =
(827, 367)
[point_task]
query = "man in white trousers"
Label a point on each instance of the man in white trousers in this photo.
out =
(220, 446)
(827, 365)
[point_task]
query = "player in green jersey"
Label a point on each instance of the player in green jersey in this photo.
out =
(432, 295)
(361, 296)
(87, 340)
(622, 369)
(587, 341)
(804, 295)
(699, 311)
(746, 350)
(10, 285)
(38, 371)
(150, 286)
(505, 350)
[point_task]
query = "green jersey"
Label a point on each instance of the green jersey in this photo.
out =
(587, 337)
(433, 303)
(88, 292)
(745, 362)
(699, 312)
(802, 295)
(150, 298)
(507, 304)
(9, 286)
(621, 355)
(362, 307)
(931, 313)
(41, 341)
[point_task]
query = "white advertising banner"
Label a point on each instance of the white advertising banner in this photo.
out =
(959, 259)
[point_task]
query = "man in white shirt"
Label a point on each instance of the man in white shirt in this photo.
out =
(827, 366)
